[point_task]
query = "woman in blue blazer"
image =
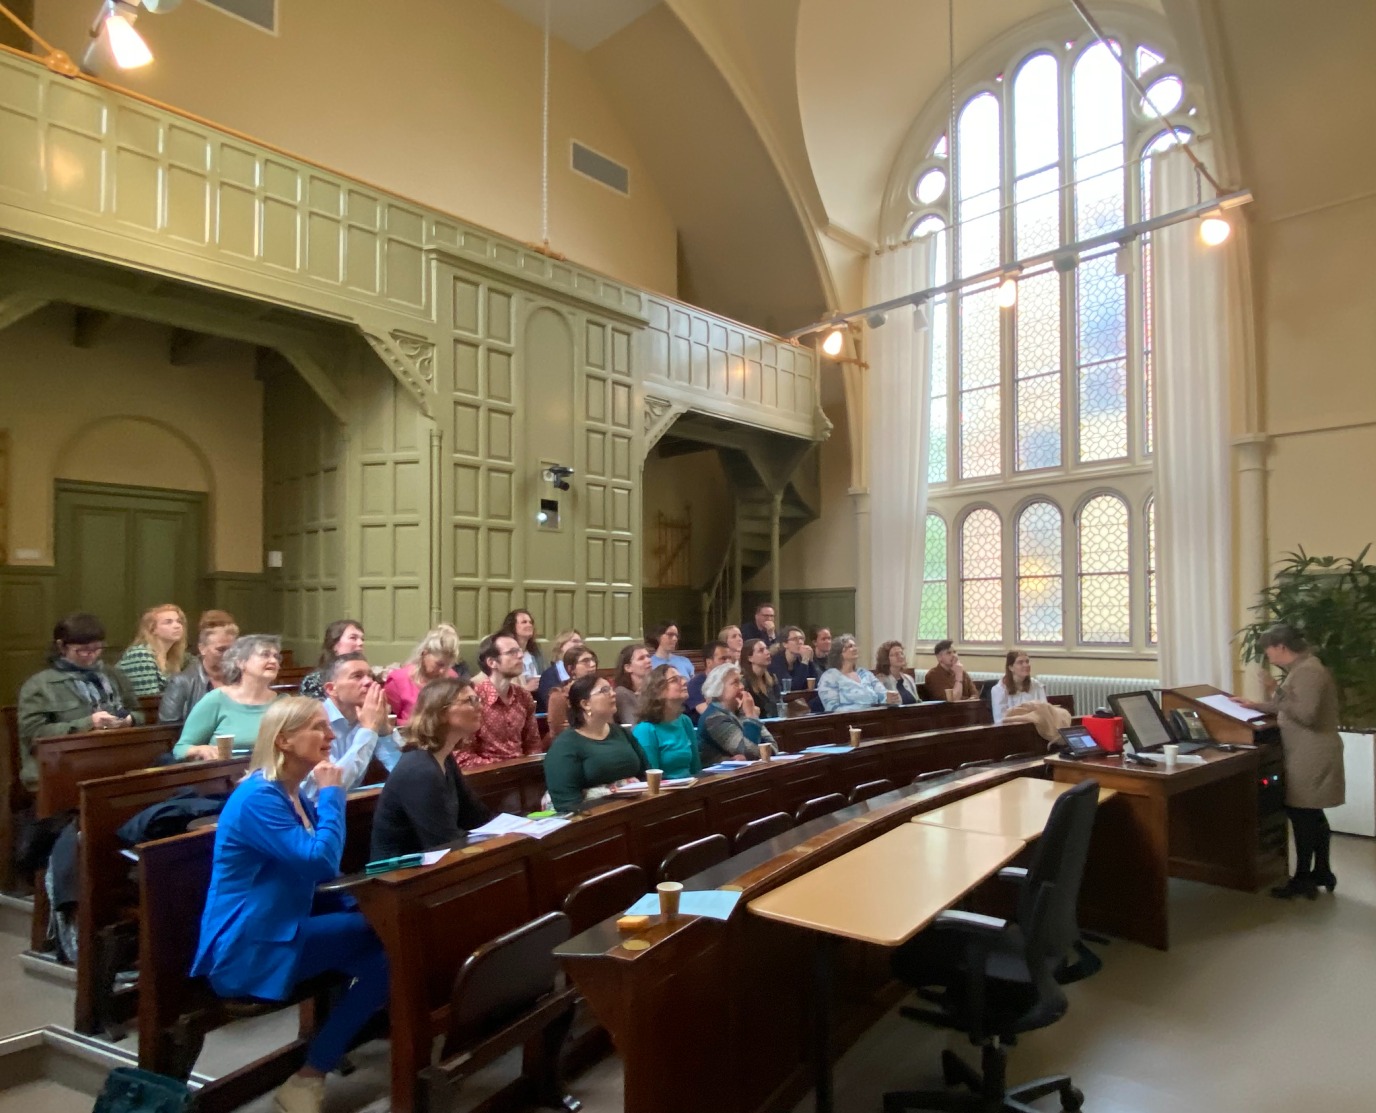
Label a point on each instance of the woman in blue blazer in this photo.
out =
(259, 937)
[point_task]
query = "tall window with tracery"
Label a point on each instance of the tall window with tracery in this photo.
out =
(932, 621)
(1041, 397)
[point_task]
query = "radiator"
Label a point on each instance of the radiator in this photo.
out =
(1089, 692)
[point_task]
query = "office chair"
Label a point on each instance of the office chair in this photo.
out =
(869, 790)
(997, 977)
(761, 830)
(694, 857)
(819, 805)
(594, 900)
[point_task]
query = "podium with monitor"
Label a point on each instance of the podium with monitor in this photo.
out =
(1220, 716)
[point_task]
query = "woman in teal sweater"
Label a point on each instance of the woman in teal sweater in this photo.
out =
(665, 733)
(589, 758)
(249, 667)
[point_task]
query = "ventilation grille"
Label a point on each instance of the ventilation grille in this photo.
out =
(260, 13)
(601, 169)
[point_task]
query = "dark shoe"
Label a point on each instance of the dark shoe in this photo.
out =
(1325, 880)
(1301, 885)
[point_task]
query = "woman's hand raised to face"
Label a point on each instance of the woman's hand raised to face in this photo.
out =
(748, 708)
(328, 775)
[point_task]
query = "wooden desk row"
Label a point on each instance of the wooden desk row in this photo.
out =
(431, 919)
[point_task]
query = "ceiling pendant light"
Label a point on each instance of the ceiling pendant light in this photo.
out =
(833, 342)
(126, 45)
(1214, 229)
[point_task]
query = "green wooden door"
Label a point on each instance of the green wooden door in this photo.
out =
(121, 550)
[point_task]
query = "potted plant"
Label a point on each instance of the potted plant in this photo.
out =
(1332, 601)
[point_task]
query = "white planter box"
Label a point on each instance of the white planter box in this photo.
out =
(1358, 815)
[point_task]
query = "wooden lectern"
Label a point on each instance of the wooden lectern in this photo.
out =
(1221, 727)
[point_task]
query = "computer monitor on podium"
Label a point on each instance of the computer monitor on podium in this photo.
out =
(1145, 726)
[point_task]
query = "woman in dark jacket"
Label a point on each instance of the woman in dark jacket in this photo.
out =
(261, 934)
(426, 802)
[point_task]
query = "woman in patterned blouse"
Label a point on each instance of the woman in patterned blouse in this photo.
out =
(157, 652)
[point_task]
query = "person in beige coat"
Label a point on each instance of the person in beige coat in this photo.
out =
(1306, 704)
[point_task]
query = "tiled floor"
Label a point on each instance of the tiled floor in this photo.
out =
(1260, 1007)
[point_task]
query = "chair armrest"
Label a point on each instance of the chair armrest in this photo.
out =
(973, 923)
(1012, 873)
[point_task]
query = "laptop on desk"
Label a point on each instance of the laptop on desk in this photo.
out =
(1146, 729)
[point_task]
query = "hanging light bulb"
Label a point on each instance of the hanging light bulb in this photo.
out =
(1008, 292)
(833, 342)
(126, 45)
(1214, 229)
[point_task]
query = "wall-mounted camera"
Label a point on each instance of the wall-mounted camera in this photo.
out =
(558, 475)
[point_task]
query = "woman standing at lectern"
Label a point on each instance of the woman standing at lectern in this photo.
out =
(1306, 704)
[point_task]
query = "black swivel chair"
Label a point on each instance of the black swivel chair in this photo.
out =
(998, 977)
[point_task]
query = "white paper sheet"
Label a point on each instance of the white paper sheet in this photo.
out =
(1231, 708)
(430, 857)
(502, 823)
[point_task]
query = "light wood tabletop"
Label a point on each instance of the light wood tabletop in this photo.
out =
(1018, 809)
(888, 890)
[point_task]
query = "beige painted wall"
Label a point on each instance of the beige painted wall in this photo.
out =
(119, 412)
(438, 100)
(694, 487)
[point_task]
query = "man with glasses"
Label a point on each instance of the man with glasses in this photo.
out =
(509, 729)
(793, 663)
(763, 627)
(75, 693)
(713, 654)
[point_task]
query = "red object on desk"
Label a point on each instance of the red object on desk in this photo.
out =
(1106, 731)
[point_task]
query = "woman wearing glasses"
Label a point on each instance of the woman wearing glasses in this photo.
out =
(75, 693)
(665, 733)
(249, 668)
(426, 802)
(594, 753)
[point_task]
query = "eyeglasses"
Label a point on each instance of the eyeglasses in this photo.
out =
(466, 701)
(91, 650)
(601, 690)
(516, 652)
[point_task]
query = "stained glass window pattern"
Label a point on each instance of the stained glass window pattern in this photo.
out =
(932, 624)
(1037, 401)
(1036, 157)
(981, 421)
(939, 422)
(1101, 355)
(1097, 131)
(979, 177)
(1104, 580)
(981, 576)
(1151, 571)
(1040, 596)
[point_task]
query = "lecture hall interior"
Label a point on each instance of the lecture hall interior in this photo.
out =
(1009, 328)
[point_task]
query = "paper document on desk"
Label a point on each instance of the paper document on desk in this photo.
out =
(715, 904)
(501, 824)
(1231, 708)
(430, 857)
(539, 828)
(829, 749)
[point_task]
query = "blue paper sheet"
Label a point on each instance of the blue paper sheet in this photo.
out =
(827, 750)
(713, 903)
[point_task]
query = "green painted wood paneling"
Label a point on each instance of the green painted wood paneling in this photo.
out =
(28, 611)
(245, 595)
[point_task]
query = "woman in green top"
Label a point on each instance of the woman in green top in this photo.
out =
(249, 667)
(665, 733)
(594, 753)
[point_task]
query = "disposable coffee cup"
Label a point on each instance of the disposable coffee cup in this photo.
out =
(811, 683)
(1171, 752)
(224, 746)
(854, 737)
(766, 751)
(950, 695)
(668, 898)
(653, 777)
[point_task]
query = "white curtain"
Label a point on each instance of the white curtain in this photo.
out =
(1193, 489)
(898, 398)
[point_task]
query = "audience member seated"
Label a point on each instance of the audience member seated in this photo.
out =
(889, 663)
(75, 693)
(846, 686)
(1017, 686)
(665, 733)
(260, 934)
(249, 668)
(730, 727)
(556, 675)
(821, 649)
(662, 640)
(594, 753)
(759, 680)
(632, 667)
(426, 802)
(521, 626)
(794, 662)
(436, 656)
(508, 728)
(713, 654)
(578, 661)
(358, 713)
(731, 635)
(203, 673)
(343, 635)
(763, 626)
(158, 651)
(947, 679)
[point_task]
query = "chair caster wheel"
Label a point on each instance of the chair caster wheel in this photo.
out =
(1072, 1099)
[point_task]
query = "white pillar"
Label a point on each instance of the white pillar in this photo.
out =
(1250, 552)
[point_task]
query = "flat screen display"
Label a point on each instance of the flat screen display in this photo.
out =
(1143, 721)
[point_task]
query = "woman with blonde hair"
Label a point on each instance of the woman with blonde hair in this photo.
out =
(434, 658)
(426, 802)
(260, 936)
(158, 650)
